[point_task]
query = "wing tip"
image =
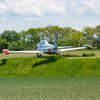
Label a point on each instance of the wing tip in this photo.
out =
(5, 51)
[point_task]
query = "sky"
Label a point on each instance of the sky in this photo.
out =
(21, 15)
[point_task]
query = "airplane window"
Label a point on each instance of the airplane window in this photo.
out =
(46, 42)
(43, 42)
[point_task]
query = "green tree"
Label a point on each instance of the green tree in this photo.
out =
(19, 45)
(88, 32)
(33, 37)
(3, 44)
(51, 31)
(10, 36)
(43, 34)
(13, 46)
(97, 33)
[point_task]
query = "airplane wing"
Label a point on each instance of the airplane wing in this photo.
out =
(77, 48)
(33, 51)
(60, 47)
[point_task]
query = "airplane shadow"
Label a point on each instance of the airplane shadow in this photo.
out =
(3, 62)
(46, 61)
(68, 55)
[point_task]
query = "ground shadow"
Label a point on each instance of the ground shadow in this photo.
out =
(68, 55)
(47, 60)
(3, 62)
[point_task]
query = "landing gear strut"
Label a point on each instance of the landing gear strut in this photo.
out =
(58, 51)
(38, 55)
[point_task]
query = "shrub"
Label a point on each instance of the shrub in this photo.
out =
(88, 55)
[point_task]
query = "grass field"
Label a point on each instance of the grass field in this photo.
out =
(50, 66)
(21, 55)
(65, 77)
(84, 88)
(54, 66)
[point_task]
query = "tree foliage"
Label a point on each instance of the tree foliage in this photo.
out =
(97, 33)
(27, 40)
(3, 44)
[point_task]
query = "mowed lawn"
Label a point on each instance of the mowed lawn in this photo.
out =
(49, 88)
(22, 55)
(69, 88)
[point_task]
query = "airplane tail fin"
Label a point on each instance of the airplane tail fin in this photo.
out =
(56, 42)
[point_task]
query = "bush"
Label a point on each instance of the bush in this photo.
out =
(68, 55)
(88, 55)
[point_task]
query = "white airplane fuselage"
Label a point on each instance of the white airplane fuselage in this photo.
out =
(45, 47)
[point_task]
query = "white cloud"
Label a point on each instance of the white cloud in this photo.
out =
(81, 6)
(25, 14)
(2, 8)
(3, 19)
(77, 6)
(34, 8)
(31, 19)
(94, 5)
(23, 7)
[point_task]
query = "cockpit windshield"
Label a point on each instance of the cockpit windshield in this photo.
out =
(43, 42)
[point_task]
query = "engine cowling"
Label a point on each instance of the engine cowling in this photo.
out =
(5, 51)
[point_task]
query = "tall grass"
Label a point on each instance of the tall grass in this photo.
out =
(50, 88)
(52, 66)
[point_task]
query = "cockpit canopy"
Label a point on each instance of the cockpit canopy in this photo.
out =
(43, 42)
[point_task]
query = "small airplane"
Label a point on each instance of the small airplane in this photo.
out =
(45, 47)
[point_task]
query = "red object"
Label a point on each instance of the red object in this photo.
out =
(49, 50)
(5, 51)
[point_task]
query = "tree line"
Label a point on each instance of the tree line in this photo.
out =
(28, 40)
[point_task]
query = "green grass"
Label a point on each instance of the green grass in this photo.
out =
(50, 88)
(52, 66)
(64, 77)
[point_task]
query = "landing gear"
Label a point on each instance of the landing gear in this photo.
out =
(58, 51)
(38, 55)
